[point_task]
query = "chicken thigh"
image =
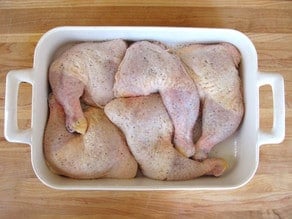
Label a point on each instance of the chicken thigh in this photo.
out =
(149, 68)
(148, 130)
(214, 68)
(87, 70)
(101, 152)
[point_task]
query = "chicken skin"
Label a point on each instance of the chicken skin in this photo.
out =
(85, 70)
(148, 130)
(101, 152)
(149, 68)
(214, 68)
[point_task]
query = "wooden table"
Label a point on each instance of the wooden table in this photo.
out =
(269, 25)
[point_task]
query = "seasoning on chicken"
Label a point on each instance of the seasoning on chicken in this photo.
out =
(149, 68)
(85, 70)
(148, 130)
(101, 152)
(214, 68)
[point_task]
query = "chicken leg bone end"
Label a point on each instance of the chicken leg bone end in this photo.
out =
(79, 126)
(219, 166)
(200, 155)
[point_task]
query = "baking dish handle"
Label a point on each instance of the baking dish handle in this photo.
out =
(277, 133)
(11, 131)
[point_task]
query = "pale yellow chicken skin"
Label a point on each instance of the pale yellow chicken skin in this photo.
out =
(158, 97)
(214, 68)
(148, 130)
(85, 70)
(149, 68)
(101, 152)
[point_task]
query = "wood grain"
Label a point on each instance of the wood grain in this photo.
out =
(42, 19)
(171, 3)
(267, 22)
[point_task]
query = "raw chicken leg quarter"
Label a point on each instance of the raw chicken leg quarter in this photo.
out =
(101, 152)
(148, 130)
(149, 68)
(214, 68)
(86, 70)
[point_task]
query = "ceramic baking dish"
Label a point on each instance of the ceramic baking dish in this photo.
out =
(241, 150)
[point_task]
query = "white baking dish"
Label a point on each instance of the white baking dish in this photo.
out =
(241, 150)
